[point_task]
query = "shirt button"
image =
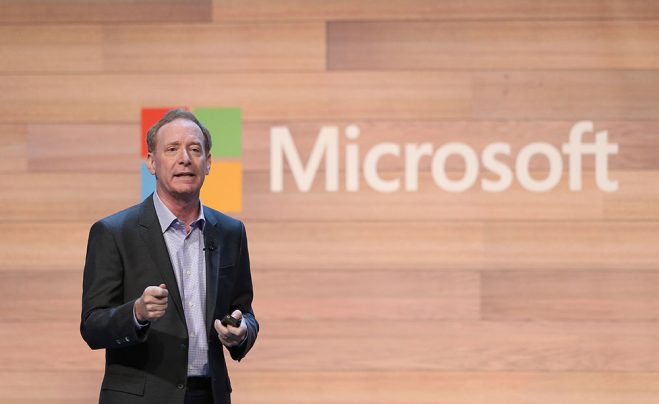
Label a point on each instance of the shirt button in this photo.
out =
(191, 304)
(189, 273)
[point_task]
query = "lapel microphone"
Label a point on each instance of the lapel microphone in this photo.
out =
(210, 247)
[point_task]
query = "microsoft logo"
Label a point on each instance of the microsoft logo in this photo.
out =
(222, 188)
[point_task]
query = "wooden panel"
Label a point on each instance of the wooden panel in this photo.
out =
(593, 246)
(386, 387)
(325, 345)
(455, 245)
(50, 387)
(69, 196)
(610, 95)
(501, 45)
(581, 296)
(89, 197)
(391, 387)
(77, 147)
(162, 48)
(43, 246)
(13, 148)
(50, 296)
(403, 245)
(442, 345)
(267, 96)
(85, 148)
(231, 10)
(337, 295)
(45, 346)
(597, 95)
(361, 296)
(82, 11)
(634, 200)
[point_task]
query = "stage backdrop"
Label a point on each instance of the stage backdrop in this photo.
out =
(446, 202)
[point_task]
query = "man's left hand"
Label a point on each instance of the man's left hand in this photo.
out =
(231, 336)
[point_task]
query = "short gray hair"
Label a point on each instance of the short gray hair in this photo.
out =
(171, 115)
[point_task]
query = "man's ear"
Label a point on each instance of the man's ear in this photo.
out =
(151, 163)
(208, 164)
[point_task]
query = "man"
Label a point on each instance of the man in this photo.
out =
(161, 275)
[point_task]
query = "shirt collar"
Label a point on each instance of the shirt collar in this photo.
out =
(166, 217)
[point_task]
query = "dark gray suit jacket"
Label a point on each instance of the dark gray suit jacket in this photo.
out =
(126, 253)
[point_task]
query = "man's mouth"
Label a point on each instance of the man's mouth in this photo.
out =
(184, 175)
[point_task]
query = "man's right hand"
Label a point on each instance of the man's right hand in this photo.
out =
(152, 304)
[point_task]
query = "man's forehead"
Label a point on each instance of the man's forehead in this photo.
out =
(179, 127)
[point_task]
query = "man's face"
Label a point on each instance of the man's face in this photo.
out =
(179, 161)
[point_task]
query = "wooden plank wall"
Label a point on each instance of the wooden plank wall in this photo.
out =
(426, 297)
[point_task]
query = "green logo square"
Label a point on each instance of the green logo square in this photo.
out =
(225, 125)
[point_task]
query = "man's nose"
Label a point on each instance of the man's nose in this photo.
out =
(184, 157)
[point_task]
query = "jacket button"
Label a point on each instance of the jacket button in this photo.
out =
(183, 347)
(180, 386)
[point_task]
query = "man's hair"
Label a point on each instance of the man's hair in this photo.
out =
(171, 115)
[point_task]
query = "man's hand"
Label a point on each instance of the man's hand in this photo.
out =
(232, 336)
(152, 304)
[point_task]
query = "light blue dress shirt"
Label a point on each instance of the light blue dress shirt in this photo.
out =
(186, 252)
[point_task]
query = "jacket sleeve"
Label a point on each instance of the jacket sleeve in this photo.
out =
(242, 300)
(106, 320)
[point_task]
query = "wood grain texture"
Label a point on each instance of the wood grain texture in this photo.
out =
(44, 246)
(634, 200)
(485, 45)
(358, 297)
(161, 48)
(324, 345)
(548, 95)
(575, 296)
(264, 96)
(623, 95)
(59, 295)
(57, 387)
(115, 147)
(68, 196)
(13, 148)
(387, 387)
(100, 11)
(352, 296)
(443, 345)
(260, 10)
(84, 148)
(384, 246)
(391, 387)
(91, 196)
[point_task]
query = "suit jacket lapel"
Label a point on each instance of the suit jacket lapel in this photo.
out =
(151, 233)
(212, 246)
(218, 260)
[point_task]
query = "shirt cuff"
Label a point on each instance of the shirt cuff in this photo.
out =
(138, 325)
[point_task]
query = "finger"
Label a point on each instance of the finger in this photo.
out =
(237, 314)
(156, 307)
(150, 300)
(220, 328)
(162, 286)
(156, 291)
